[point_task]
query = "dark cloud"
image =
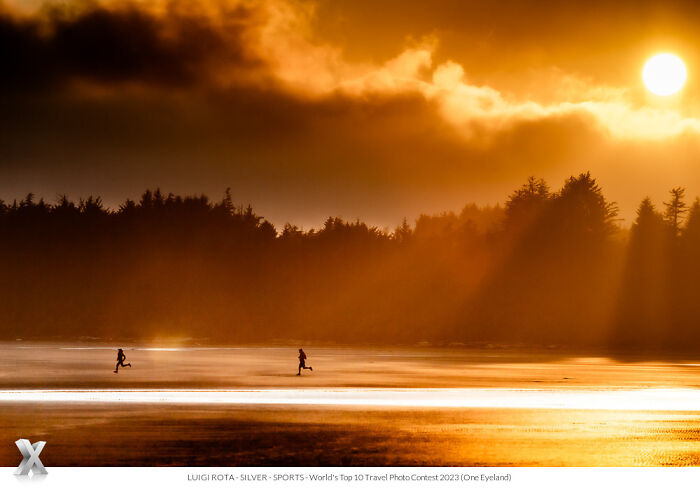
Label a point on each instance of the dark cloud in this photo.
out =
(120, 44)
(378, 158)
(297, 156)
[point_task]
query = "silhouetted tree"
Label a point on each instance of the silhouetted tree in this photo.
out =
(686, 332)
(553, 283)
(544, 269)
(676, 208)
(403, 233)
(644, 314)
(526, 203)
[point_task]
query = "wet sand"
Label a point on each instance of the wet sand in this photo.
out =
(135, 435)
(119, 433)
(69, 366)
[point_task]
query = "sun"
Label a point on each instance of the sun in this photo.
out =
(664, 74)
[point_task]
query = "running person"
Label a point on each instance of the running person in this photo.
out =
(302, 362)
(120, 360)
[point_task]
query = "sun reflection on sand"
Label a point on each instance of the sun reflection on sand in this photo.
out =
(661, 399)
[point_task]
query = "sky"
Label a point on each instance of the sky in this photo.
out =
(376, 110)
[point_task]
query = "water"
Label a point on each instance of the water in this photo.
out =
(202, 406)
(155, 366)
(684, 400)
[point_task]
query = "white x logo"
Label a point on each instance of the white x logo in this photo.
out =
(31, 459)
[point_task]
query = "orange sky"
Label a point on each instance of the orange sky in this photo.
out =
(357, 108)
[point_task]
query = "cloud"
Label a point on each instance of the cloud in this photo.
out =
(193, 96)
(320, 70)
(229, 45)
(467, 105)
(108, 44)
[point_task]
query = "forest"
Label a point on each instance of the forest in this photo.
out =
(546, 268)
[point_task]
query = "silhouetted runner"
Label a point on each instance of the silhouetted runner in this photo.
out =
(120, 360)
(302, 362)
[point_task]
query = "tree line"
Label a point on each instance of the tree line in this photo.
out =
(546, 268)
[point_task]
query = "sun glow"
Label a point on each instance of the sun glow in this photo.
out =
(664, 74)
(656, 399)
